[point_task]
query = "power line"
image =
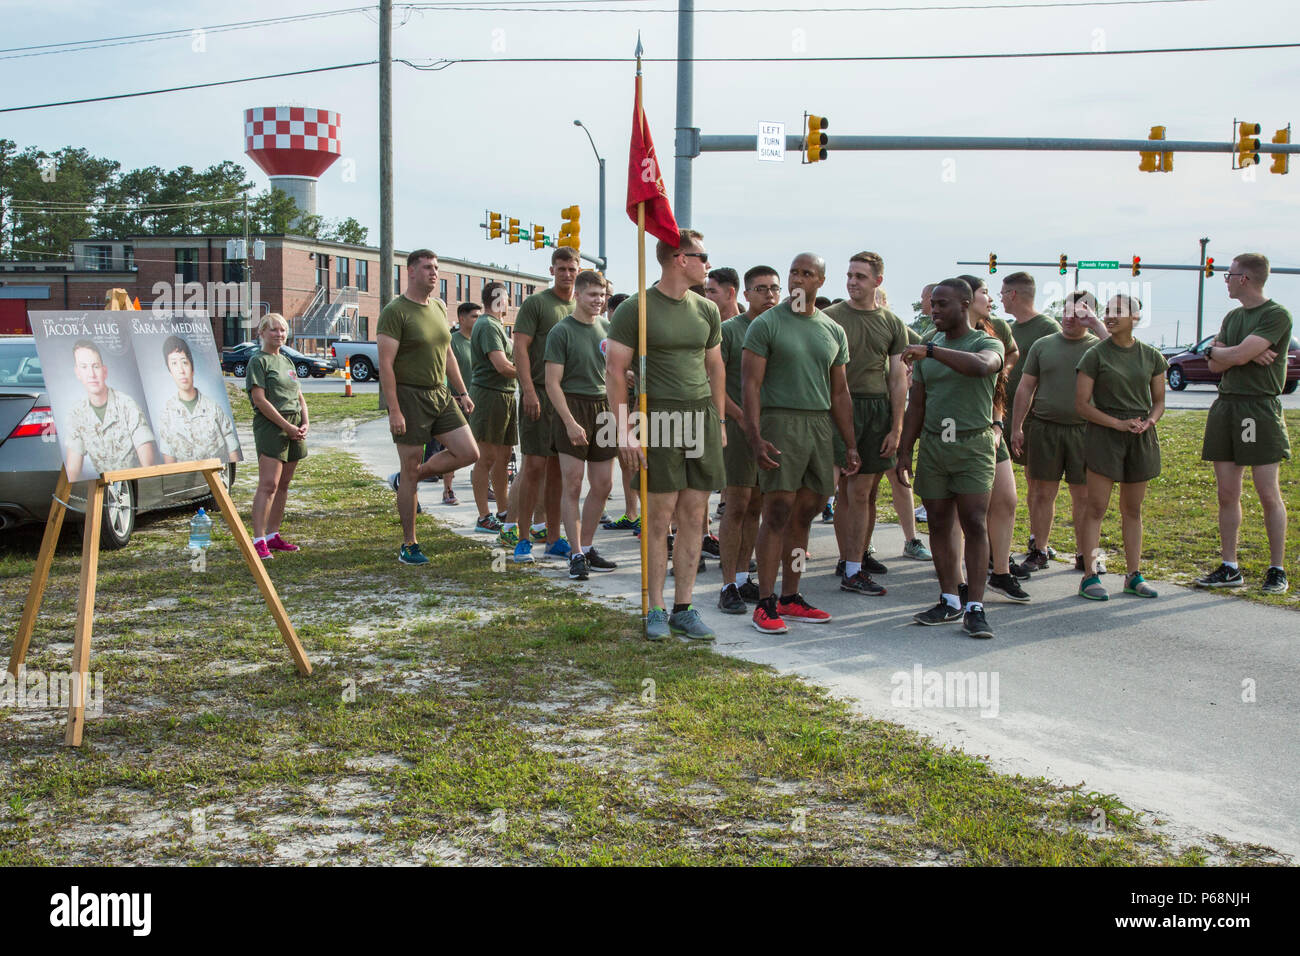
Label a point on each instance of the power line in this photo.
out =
(547, 7)
(25, 205)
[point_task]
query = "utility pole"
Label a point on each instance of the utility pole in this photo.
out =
(604, 262)
(248, 272)
(688, 137)
(385, 151)
(1200, 291)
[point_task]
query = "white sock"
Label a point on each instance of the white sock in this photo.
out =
(952, 600)
(261, 540)
(974, 606)
(586, 548)
(851, 568)
(741, 578)
(273, 534)
(1231, 564)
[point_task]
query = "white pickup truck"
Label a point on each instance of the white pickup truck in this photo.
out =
(364, 356)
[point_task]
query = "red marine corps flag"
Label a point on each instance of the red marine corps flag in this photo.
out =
(645, 182)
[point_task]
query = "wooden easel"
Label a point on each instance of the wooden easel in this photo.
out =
(211, 469)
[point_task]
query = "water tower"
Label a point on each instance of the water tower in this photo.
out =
(293, 145)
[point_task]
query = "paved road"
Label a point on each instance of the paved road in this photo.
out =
(1201, 396)
(1186, 706)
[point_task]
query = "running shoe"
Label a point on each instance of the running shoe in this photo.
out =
(624, 524)
(1035, 560)
(560, 549)
(449, 498)
(765, 619)
(748, 592)
(492, 495)
(690, 625)
(501, 515)
(523, 552)
(262, 550)
(920, 515)
(797, 609)
(1275, 581)
(604, 518)
(871, 565)
(597, 562)
(509, 537)
(941, 613)
(1009, 587)
(828, 513)
(1022, 571)
(488, 524)
(1221, 577)
(975, 624)
(1092, 589)
(411, 554)
(578, 566)
(393, 480)
(722, 508)
(730, 602)
(277, 543)
(839, 568)
(711, 545)
(861, 583)
(917, 550)
(656, 625)
(1078, 564)
(538, 536)
(1137, 586)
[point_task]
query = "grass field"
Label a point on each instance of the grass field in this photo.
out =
(323, 408)
(456, 716)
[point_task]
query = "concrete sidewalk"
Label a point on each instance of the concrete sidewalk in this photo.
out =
(1186, 706)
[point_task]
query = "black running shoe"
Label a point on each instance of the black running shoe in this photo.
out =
(861, 583)
(753, 566)
(941, 613)
(1022, 571)
(711, 545)
(839, 568)
(872, 566)
(578, 566)
(963, 592)
(1221, 577)
(1007, 585)
(1035, 560)
(1275, 581)
(729, 601)
(596, 562)
(975, 624)
(748, 592)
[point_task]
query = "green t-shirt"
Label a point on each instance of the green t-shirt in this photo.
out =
(490, 336)
(678, 332)
(913, 336)
(1271, 321)
(873, 336)
(1122, 376)
(422, 337)
(1026, 334)
(580, 348)
(965, 400)
(537, 316)
(800, 352)
(274, 374)
(1053, 360)
(460, 349)
(733, 348)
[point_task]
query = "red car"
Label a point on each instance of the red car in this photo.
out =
(1191, 367)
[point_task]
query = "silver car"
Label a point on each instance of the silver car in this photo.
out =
(30, 461)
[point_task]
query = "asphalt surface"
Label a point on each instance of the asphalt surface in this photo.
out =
(1185, 707)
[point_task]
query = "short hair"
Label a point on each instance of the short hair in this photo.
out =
(757, 271)
(1129, 304)
(1255, 265)
(726, 276)
(491, 290)
(268, 319)
(883, 296)
(872, 259)
(664, 251)
(175, 343)
(413, 257)
(819, 261)
(822, 302)
(1022, 281)
(975, 283)
(697, 289)
(616, 300)
(465, 308)
(564, 254)
(86, 344)
(958, 285)
(1081, 295)
(589, 277)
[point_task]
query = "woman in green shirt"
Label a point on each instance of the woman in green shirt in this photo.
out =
(1120, 390)
(279, 432)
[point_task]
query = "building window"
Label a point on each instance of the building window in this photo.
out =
(322, 270)
(341, 264)
(442, 290)
(128, 258)
(99, 258)
(363, 275)
(469, 288)
(397, 280)
(232, 270)
(187, 264)
(530, 289)
(233, 331)
(519, 293)
(363, 328)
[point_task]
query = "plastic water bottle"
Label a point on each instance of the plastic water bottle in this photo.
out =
(200, 531)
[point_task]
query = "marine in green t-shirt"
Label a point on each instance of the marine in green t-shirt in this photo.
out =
(579, 347)
(1026, 333)
(800, 351)
(873, 335)
(539, 314)
(489, 336)
(1270, 321)
(678, 333)
(422, 336)
(733, 345)
(1052, 361)
(956, 401)
(460, 343)
(1122, 375)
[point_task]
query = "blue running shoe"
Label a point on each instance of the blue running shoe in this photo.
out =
(524, 552)
(560, 549)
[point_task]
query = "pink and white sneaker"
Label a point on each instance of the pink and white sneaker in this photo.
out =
(262, 550)
(277, 543)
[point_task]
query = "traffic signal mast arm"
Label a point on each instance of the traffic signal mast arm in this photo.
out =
(747, 143)
(1176, 267)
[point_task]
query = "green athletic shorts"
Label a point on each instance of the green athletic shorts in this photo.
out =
(685, 448)
(495, 419)
(1004, 446)
(738, 458)
(872, 421)
(269, 440)
(1122, 456)
(535, 436)
(807, 452)
(965, 466)
(429, 412)
(1053, 451)
(1246, 430)
(593, 415)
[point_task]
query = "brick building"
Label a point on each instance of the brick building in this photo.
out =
(328, 290)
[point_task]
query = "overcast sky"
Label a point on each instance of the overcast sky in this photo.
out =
(500, 136)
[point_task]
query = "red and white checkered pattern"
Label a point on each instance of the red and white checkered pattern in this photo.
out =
(292, 127)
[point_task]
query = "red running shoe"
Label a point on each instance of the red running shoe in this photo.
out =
(798, 609)
(277, 543)
(766, 620)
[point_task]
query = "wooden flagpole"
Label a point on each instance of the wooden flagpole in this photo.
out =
(641, 401)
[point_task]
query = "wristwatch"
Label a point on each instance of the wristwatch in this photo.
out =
(1209, 351)
(929, 350)
(722, 421)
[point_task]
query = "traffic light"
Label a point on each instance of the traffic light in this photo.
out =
(1281, 160)
(815, 140)
(993, 263)
(571, 229)
(1247, 145)
(539, 237)
(494, 225)
(1137, 265)
(513, 234)
(1064, 260)
(1209, 268)
(1151, 162)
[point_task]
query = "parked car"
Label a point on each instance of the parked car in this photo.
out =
(235, 360)
(364, 355)
(1191, 367)
(30, 460)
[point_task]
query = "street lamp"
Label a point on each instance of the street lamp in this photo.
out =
(604, 263)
